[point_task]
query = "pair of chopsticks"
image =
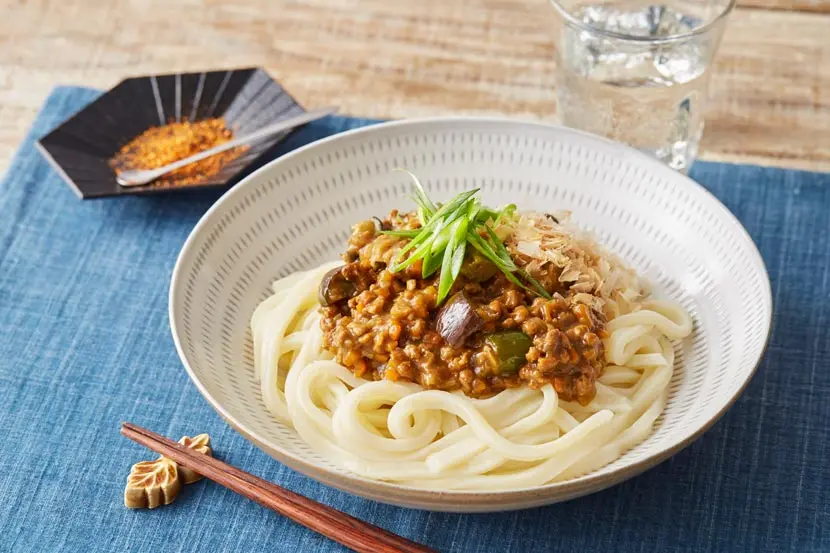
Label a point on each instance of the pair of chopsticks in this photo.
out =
(340, 527)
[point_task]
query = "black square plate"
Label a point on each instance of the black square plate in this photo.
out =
(81, 147)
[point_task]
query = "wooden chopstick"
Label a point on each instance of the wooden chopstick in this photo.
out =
(340, 527)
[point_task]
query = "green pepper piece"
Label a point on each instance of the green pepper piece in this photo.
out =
(510, 347)
(476, 267)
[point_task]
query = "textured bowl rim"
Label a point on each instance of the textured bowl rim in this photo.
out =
(385, 491)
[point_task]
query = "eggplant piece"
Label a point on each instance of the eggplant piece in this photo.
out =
(476, 267)
(380, 224)
(335, 288)
(510, 348)
(457, 320)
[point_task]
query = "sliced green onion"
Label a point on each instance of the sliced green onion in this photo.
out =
(499, 248)
(453, 258)
(431, 264)
(504, 213)
(402, 233)
(486, 214)
(445, 280)
(458, 259)
(421, 196)
(487, 251)
(442, 239)
(445, 232)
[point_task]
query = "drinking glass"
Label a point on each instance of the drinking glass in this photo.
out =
(637, 72)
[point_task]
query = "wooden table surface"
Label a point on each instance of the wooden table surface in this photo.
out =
(402, 58)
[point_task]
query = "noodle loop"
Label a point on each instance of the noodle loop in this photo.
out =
(397, 431)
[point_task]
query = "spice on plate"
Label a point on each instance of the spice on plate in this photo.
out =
(155, 483)
(159, 146)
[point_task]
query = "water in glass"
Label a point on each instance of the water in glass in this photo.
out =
(650, 95)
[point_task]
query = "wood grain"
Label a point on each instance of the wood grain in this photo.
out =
(819, 6)
(393, 59)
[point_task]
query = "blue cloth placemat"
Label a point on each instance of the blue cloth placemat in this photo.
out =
(84, 345)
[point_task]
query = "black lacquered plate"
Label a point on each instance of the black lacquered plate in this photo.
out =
(248, 99)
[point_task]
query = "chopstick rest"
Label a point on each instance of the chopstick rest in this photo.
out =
(354, 533)
(155, 483)
(200, 443)
(152, 484)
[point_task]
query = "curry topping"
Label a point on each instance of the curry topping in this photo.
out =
(497, 325)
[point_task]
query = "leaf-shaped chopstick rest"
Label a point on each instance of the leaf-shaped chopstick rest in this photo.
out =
(154, 483)
(200, 443)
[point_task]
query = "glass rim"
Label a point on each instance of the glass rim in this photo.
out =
(697, 31)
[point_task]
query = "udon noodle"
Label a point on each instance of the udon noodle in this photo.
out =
(429, 438)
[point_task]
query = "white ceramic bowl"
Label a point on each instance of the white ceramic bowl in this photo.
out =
(296, 212)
